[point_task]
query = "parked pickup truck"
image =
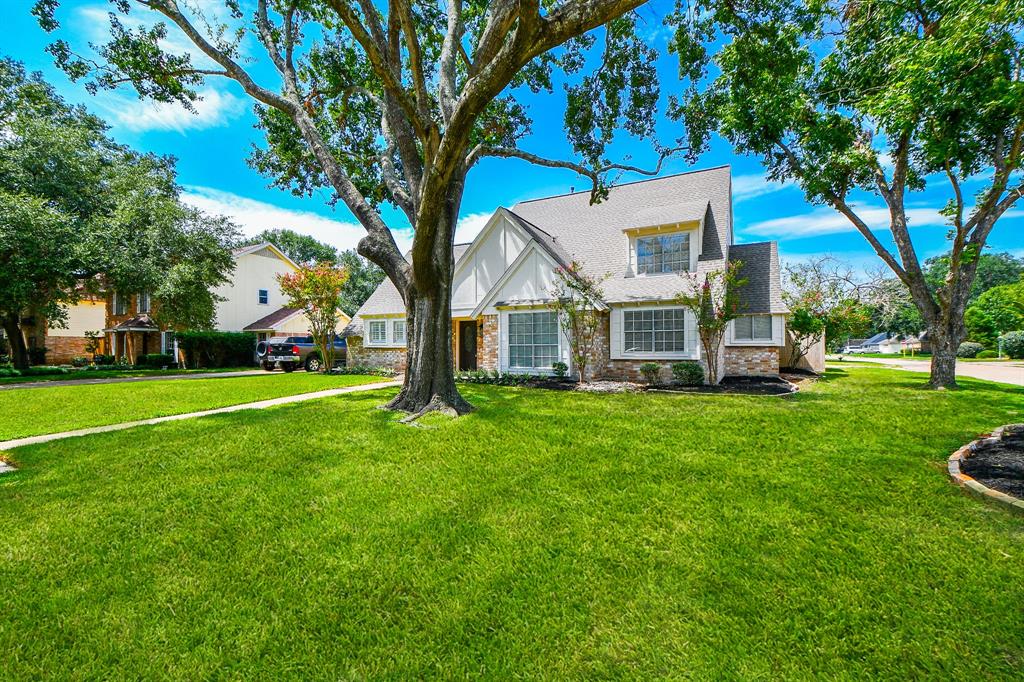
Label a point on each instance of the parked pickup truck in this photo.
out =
(291, 352)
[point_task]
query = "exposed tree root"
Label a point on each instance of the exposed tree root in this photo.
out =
(402, 403)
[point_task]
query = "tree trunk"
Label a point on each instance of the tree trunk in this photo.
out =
(16, 339)
(945, 343)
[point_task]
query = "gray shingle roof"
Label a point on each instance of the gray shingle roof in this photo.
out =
(760, 267)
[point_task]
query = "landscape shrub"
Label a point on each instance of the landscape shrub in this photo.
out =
(482, 376)
(6, 372)
(365, 369)
(1013, 344)
(986, 354)
(156, 361)
(650, 371)
(43, 371)
(969, 349)
(688, 373)
(218, 349)
(79, 361)
(560, 369)
(101, 359)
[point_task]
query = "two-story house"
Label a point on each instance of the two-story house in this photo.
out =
(644, 236)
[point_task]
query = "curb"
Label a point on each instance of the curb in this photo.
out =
(973, 486)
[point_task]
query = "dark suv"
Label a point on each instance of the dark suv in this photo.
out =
(292, 352)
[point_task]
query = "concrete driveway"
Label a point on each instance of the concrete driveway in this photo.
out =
(1003, 372)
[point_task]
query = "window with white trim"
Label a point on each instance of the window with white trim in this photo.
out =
(532, 340)
(378, 332)
(663, 253)
(752, 328)
(661, 330)
(120, 304)
(263, 297)
(142, 302)
(398, 331)
(168, 343)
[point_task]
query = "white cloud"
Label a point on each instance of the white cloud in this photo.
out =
(829, 221)
(469, 226)
(749, 186)
(216, 108)
(254, 216)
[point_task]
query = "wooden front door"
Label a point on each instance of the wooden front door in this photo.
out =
(467, 344)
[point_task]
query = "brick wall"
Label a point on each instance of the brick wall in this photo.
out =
(751, 360)
(487, 346)
(358, 354)
(61, 350)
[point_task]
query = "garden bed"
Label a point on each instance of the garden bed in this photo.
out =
(998, 462)
(734, 385)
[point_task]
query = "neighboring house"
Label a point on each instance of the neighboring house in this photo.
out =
(644, 236)
(64, 344)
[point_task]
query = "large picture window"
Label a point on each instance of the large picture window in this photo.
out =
(532, 340)
(663, 253)
(753, 328)
(378, 332)
(654, 331)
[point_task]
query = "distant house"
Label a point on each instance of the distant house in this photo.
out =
(252, 302)
(644, 236)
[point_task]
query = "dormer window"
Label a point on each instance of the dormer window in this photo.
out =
(658, 254)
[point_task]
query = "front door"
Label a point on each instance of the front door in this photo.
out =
(467, 344)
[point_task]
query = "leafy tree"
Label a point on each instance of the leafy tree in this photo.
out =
(893, 310)
(830, 93)
(994, 269)
(363, 279)
(393, 103)
(714, 302)
(80, 210)
(825, 302)
(997, 311)
(301, 248)
(577, 297)
(316, 289)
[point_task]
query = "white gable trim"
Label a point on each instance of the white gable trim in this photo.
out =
(531, 247)
(270, 247)
(481, 237)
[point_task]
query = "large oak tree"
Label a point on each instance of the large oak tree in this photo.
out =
(393, 103)
(879, 96)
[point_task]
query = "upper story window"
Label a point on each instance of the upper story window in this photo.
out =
(752, 328)
(120, 304)
(263, 297)
(398, 331)
(663, 253)
(378, 332)
(142, 304)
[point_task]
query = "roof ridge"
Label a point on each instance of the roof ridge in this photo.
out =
(634, 182)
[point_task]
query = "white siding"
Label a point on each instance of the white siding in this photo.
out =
(85, 316)
(253, 272)
(532, 280)
(616, 333)
(500, 244)
(778, 331)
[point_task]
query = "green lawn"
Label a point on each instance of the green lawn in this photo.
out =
(49, 409)
(546, 535)
(74, 374)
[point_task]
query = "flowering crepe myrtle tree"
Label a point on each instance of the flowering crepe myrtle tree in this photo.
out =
(713, 301)
(316, 289)
(392, 103)
(577, 300)
(877, 96)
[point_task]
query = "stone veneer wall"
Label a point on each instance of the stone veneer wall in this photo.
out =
(756, 361)
(487, 344)
(357, 354)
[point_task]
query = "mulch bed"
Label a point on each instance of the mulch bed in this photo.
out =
(734, 385)
(999, 465)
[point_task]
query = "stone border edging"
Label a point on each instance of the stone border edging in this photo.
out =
(972, 485)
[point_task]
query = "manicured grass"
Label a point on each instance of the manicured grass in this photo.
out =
(74, 374)
(49, 409)
(546, 535)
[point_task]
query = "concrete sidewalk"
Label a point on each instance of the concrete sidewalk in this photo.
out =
(121, 380)
(258, 405)
(1002, 372)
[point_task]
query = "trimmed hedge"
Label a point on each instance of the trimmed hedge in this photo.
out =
(1013, 344)
(218, 349)
(364, 369)
(156, 361)
(688, 373)
(987, 354)
(650, 371)
(482, 376)
(969, 349)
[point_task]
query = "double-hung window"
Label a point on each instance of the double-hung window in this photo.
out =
(263, 297)
(168, 343)
(398, 331)
(120, 304)
(142, 303)
(654, 331)
(378, 332)
(752, 328)
(532, 340)
(663, 253)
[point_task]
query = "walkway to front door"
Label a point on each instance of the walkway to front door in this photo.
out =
(467, 344)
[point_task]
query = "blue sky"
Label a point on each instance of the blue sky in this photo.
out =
(212, 146)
